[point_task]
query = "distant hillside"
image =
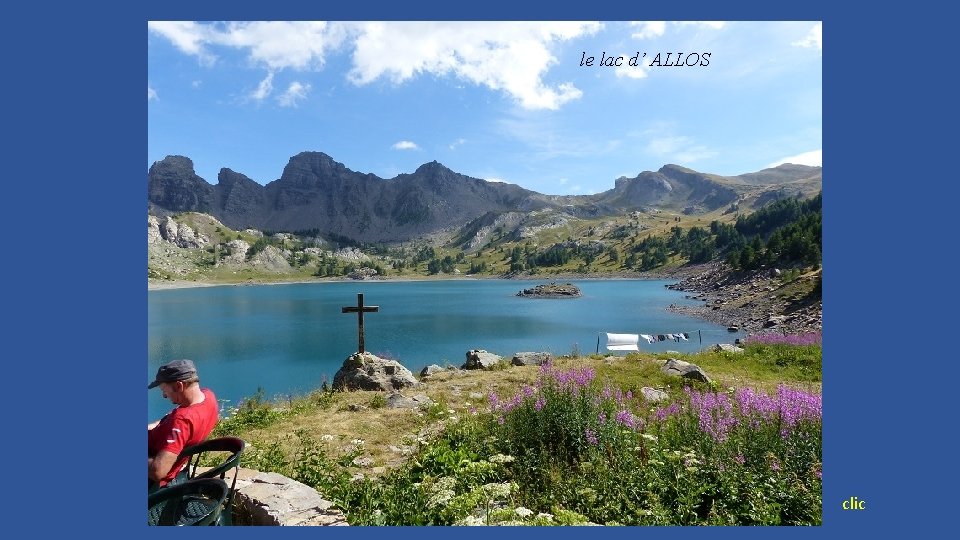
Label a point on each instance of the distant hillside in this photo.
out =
(314, 192)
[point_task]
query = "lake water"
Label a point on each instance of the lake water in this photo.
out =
(287, 338)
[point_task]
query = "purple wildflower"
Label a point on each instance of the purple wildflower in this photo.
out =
(538, 405)
(662, 413)
(740, 459)
(591, 436)
(627, 418)
(809, 338)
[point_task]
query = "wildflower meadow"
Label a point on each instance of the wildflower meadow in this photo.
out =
(574, 448)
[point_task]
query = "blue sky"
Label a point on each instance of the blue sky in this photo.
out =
(503, 101)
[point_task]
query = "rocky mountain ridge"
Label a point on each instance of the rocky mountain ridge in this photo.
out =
(315, 192)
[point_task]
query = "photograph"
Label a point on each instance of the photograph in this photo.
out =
(485, 273)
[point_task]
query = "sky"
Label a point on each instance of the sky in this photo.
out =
(503, 101)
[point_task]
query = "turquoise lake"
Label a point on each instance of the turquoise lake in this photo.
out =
(287, 338)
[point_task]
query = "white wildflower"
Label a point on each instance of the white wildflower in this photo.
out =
(498, 491)
(472, 521)
(444, 483)
(326, 437)
(523, 512)
(500, 458)
(440, 498)
(649, 437)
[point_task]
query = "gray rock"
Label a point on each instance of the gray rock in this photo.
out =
(370, 372)
(679, 368)
(396, 400)
(480, 359)
(653, 395)
(237, 251)
(273, 499)
(726, 347)
(153, 230)
(362, 461)
(531, 358)
(362, 273)
(774, 321)
(432, 369)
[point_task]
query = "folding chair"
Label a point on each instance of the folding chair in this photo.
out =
(195, 502)
(195, 455)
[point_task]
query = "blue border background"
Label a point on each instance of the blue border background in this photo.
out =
(77, 112)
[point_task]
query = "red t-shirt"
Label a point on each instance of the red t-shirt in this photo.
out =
(183, 427)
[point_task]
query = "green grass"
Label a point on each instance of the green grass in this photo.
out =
(460, 465)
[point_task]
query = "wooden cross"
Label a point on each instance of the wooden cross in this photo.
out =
(359, 309)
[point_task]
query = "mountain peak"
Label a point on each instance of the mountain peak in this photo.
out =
(432, 167)
(175, 162)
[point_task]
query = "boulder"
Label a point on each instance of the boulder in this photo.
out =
(726, 347)
(774, 321)
(480, 359)
(653, 395)
(153, 230)
(396, 400)
(432, 369)
(679, 368)
(362, 273)
(369, 372)
(531, 358)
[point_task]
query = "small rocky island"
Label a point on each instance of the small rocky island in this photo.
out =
(551, 290)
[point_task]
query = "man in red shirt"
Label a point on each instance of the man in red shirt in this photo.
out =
(189, 423)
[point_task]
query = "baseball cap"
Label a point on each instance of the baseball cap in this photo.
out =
(176, 370)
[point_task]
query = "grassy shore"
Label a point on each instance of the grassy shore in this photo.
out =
(361, 454)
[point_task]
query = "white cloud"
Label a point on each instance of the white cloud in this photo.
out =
(187, 36)
(511, 57)
(640, 71)
(546, 138)
(814, 158)
(814, 38)
(196, 84)
(655, 29)
(679, 149)
(507, 56)
(295, 93)
(151, 93)
(456, 143)
(274, 44)
(710, 25)
(496, 180)
(648, 29)
(264, 89)
(405, 145)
